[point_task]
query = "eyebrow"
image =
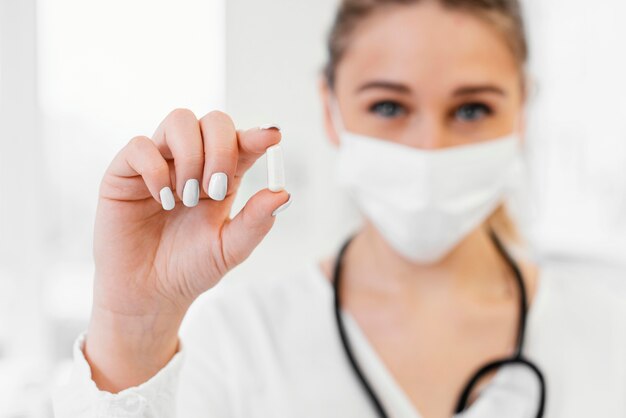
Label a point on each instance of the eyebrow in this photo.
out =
(387, 85)
(487, 88)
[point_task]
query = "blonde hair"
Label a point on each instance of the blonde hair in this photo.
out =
(504, 15)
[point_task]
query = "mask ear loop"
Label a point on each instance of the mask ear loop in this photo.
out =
(335, 115)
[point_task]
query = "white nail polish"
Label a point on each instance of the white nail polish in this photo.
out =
(270, 126)
(275, 168)
(218, 186)
(282, 207)
(167, 198)
(191, 193)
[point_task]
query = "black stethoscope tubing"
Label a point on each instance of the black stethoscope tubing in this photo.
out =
(516, 358)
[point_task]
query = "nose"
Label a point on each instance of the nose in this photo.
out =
(426, 133)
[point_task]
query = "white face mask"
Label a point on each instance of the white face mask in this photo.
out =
(424, 202)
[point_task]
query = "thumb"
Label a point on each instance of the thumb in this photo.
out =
(245, 231)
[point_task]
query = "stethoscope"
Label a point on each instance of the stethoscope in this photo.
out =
(516, 359)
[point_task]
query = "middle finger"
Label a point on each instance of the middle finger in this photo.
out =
(220, 154)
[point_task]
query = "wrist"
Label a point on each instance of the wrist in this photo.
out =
(127, 350)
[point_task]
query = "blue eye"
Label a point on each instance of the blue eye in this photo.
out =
(388, 109)
(472, 112)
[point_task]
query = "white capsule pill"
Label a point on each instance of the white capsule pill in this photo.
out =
(275, 168)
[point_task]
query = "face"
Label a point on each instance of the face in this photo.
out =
(427, 77)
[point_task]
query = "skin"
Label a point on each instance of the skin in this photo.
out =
(151, 264)
(464, 93)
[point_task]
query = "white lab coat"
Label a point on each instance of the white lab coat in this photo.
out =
(269, 348)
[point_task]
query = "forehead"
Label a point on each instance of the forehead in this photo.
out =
(427, 46)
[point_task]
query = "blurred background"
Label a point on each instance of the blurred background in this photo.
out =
(79, 78)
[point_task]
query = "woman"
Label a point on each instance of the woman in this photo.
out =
(425, 101)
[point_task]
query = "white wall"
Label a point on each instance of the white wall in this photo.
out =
(21, 158)
(576, 131)
(23, 350)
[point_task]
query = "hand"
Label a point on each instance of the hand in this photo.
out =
(151, 263)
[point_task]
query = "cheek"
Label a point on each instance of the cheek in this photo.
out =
(509, 114)
(505, 123)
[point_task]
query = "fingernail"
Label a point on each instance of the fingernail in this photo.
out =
(218, 186)
(282, 207)
(191, 193)
(270, 126)
(167, 198)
